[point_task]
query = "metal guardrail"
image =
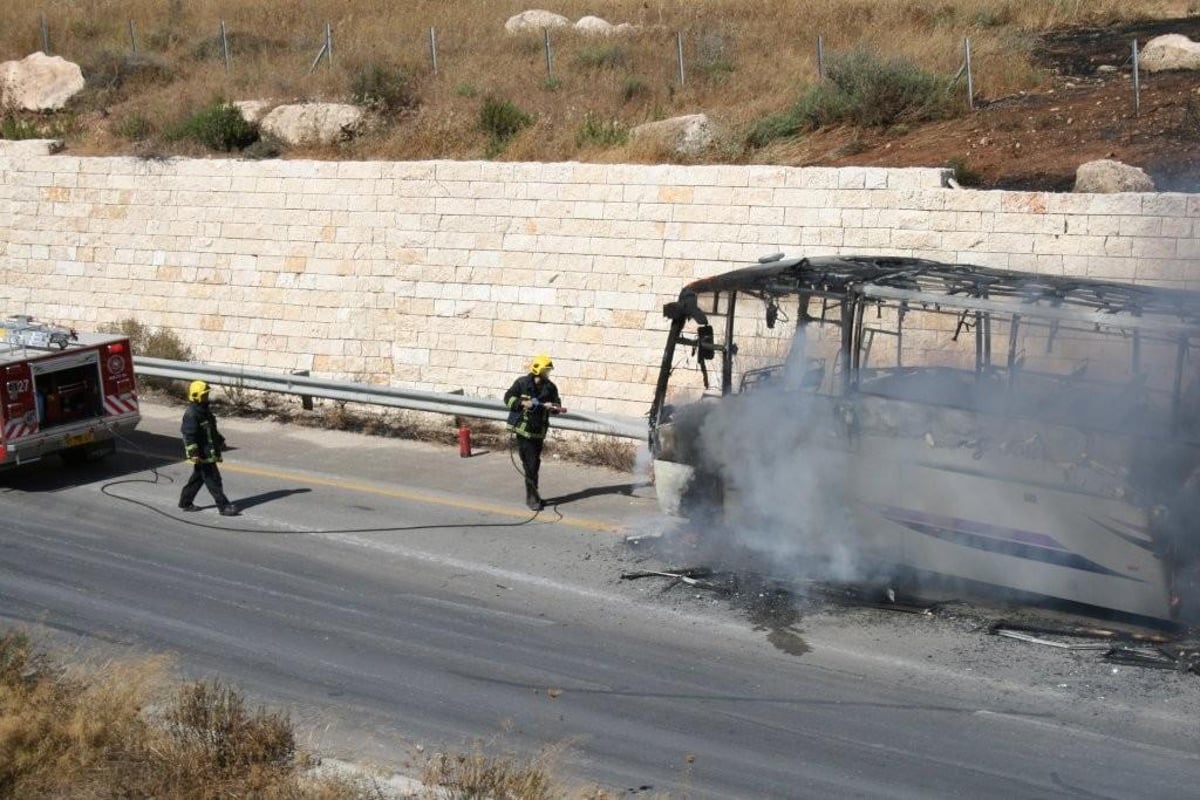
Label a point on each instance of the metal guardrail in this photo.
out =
(410, 399)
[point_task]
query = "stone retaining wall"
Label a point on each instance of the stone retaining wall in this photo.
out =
(445, 275)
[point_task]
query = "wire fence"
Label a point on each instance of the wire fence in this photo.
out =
(681, 66)
(680, 40)
(325, 53)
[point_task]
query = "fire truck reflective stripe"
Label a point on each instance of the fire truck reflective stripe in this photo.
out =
(16, 428)
(120, 404)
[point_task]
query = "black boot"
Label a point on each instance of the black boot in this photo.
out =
(532, 500)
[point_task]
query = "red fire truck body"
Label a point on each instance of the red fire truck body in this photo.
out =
(63, 392)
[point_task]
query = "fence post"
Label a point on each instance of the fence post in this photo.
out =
(45, 35)
(970, 77)
(433, 48)
(679, 52)
(225, 46)
(132, 39)
(1137, 83)
(820, 58)
(326, 51)
(549, 54)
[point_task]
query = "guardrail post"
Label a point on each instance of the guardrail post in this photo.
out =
(305, 399)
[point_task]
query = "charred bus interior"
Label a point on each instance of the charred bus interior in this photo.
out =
(855, 415)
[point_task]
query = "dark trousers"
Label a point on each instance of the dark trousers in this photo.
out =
(204, 475)
(530, 451)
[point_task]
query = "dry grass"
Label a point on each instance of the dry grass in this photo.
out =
(90, 730)
(510, 777)
(745, 60)
(123, 729)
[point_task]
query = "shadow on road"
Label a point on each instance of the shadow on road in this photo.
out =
(595, 491)
(137, 452)
(267, 497)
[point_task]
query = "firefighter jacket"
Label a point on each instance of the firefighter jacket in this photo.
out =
(201, 439)
(532, 423)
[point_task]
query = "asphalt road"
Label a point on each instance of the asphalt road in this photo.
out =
(399, 600)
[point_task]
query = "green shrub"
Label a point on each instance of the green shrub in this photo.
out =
(383, 87)
(220, 126)
(133, 127)
(632, 88)
(777, 126)
(267, 146)
(869, 91)
(596, 131)
(601, 57)
(13, 127)
(551, 83)
(501, 120)
(862, 89)
(466, 90)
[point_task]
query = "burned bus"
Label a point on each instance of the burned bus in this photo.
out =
(857, 417)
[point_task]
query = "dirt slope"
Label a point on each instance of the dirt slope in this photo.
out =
(1036, 141)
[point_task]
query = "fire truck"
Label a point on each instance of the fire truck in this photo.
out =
(63, 392)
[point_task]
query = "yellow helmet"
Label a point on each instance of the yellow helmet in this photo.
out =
(540, 364)
(197, 391)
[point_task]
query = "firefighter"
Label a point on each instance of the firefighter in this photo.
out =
(531, 400)
(202, 444)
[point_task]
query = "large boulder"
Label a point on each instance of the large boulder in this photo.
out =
(1172, 51)
(535, 20)
(689, 135)
(594, 26)
(26, 148)
(39, 82)
(1109, 177)
(313, 123)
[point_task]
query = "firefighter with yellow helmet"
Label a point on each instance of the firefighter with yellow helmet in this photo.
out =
(531, 400)
(202, 445)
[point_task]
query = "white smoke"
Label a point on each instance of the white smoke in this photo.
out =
(784, 500)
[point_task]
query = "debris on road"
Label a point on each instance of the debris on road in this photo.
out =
(689, 577)
(1129, 648)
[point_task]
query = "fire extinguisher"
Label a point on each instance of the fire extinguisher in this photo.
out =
(464, 441)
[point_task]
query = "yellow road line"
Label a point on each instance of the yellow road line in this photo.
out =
(419, 497)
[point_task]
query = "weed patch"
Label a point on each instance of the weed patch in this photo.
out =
(864, 90)
(15, 127)
(501, 120)
(601, 57)
(153, 343)
(119, 729)
(384, 88)
(632, 88)
(600, 451)
(134, 127)
(211, 719)
(599, 132)
(219, 127)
